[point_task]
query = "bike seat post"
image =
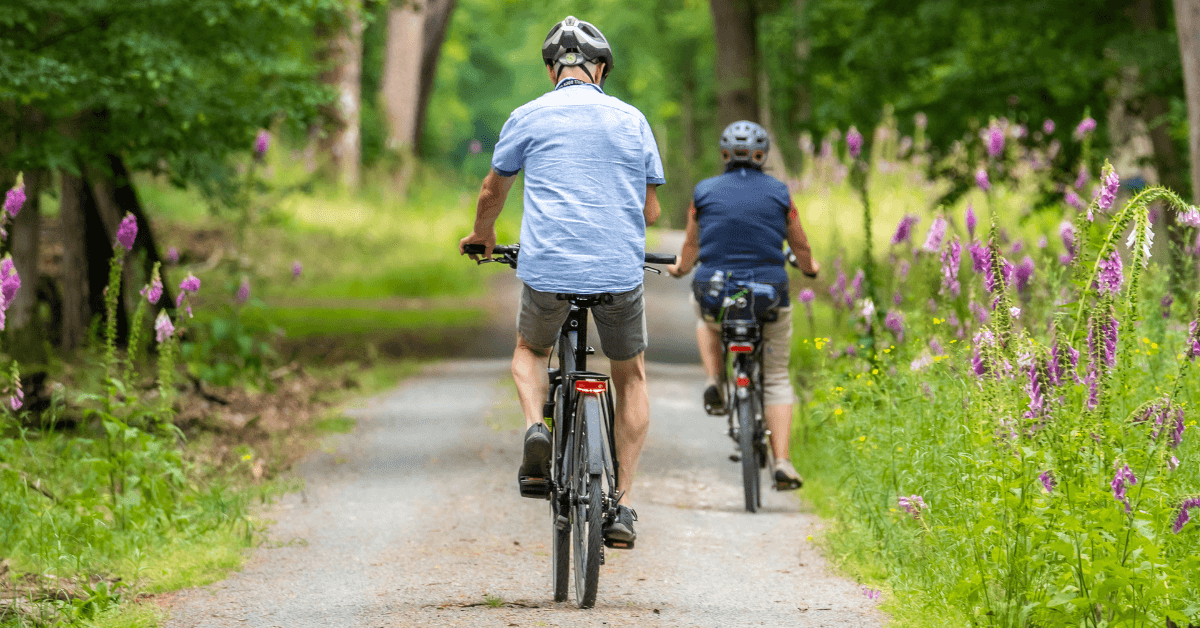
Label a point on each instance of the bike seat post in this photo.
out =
(577, 322)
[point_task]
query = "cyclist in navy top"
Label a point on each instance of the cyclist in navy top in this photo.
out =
(736, 227)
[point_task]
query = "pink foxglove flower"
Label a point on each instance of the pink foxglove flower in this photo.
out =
(951, 258)
(127, 232)
(190, 284)
(981, 179)
(10, 281)
(913, 504)
(995, 141)
(904, 229)
(806, 296)
(1109, 193)
(1086, 126)
(1182, 519)
(894, 321)
(163, 327)
(297, 268)
(153, 291)
(854, 142)
(1123, 477)
(1083, 177)
(14, 199)
(172, 255)
(1047, 479)
(937, 233)
(971, 220)
(1074, 201)
(1048, 126)
(261, 142)
(243, 293)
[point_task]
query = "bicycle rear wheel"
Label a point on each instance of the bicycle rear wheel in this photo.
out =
(747, 442)
(560, 516)
(588, 519)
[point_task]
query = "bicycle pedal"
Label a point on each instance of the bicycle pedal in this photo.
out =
(714, 410)
(735, 457)
(618, 544)
(534, 488)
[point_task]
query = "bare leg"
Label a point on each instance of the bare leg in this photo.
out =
(529, 373)
(632, 420)
(708, 340)
(779, 421)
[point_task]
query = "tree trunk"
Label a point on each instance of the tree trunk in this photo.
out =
(1187, 24)
(437, 22)
(341, 56)
(737, 60)
(23, 324)
(76, 288)
(400, 86)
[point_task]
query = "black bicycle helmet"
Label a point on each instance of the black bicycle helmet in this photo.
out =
(745, 142)
(573, 42)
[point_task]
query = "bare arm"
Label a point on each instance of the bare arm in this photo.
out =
(492, 195)
(652, 210)
(691, 246)
(799, 243)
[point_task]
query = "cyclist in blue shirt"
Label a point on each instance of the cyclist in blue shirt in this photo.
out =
(737, 224)
(591, 168)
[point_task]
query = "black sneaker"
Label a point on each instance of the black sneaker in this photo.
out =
(712, 400)
(619, 533)
(533, 478)
(786, 478)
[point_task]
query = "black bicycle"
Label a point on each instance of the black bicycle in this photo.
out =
(742, 310)
(582, 487)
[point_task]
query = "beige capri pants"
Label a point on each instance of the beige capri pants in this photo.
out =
(777, 350)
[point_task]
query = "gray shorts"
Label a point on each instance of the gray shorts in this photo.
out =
(621, 324)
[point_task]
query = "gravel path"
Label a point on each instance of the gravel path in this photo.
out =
(414, 520)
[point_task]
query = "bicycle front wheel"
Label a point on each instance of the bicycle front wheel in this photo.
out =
(747, 424)
(588, 512)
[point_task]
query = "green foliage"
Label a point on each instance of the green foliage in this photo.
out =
(178, 83)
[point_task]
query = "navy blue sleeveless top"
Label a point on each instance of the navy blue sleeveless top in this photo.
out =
(743, 222)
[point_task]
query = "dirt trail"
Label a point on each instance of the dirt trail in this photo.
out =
(414, 520)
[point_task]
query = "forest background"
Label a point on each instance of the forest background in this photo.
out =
(383, 115)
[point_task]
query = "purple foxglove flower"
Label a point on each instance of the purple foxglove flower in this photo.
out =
(172, 255)
(476, 147)
(1083, 177)
(995, 141)
(1048, 126)
(856, 284)
(807, 296)
(163, 327)
(897, 298)
(1009, 270)
(1110, 275)
(1074, 201)
(1054, 367)
(1048, 482)
(1037, 400)
(971, 220)
(17, 400)
(10, 282)
(261, 143)
(1073, 356)
(190, 284)
(1190, 218)
(1178, 429)
(1066, 231)
(1194, 339)
(1173, 463)
(937, 233)
(297, 268)
(922, 361)
(1123, 476)
(1016, 247)
(854, 142)
(1167, 301)
(872, 594)
(1092, 381)
(936, 347)
(1109, 193)
(14, 199)
(920, 120)
(1182, 519)
(980, 256)
(153, 291)
(894, 321)
(1024, 273)
(950, 261)
(902, 269)
(913, 504)
(127, 232)
(981, 179)
(838, 289)
(1110, 340)
(1087, 125)
(980, 313)
(1043, 242)
(243, 293)
(904, 229)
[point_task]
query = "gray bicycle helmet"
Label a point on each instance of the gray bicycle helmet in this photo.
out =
(745, 142)
(573, 42)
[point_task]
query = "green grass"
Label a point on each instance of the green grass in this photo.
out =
(303, 322)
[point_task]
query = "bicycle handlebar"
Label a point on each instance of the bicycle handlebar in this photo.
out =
(512, 250)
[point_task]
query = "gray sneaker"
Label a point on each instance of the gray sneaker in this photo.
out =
(619, 534)
(533, 479)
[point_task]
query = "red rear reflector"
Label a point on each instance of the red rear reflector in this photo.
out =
(741, 348)
(591, 387)
(743, 382)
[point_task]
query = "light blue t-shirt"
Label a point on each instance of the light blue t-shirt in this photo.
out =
(588, 158)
